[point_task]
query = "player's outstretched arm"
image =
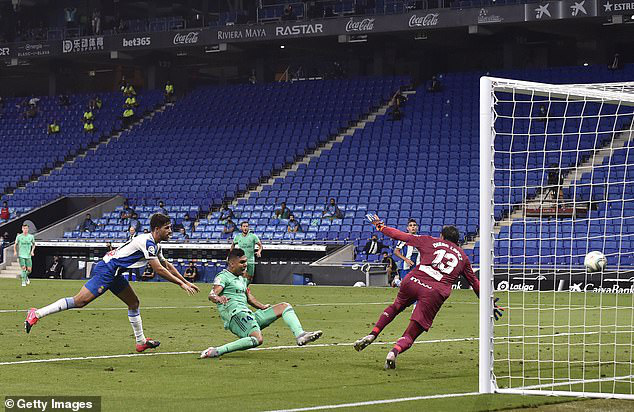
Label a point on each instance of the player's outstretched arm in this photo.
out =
(389, 231)
(165, 274)
(254, 302)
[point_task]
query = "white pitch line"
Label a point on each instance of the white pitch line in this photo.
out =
(378, 402)
(207, 306)
(283, 347)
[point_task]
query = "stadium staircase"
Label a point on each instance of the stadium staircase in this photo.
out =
(324, 147)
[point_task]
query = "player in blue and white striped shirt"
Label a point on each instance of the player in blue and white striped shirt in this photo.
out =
(135, 253)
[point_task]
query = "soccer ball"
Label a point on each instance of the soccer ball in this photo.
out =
(595, 261)
(359, 285)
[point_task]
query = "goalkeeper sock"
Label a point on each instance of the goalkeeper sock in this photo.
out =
(386, 317)
(407, 340)
(240, 344)
(58, 306)
(290, 318)
(137, 325)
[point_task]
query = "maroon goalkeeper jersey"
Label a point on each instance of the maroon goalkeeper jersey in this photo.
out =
(441, 261)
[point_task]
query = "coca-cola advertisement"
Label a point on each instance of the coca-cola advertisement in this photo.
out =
(186, 38)
(428, 20)
(359, 25)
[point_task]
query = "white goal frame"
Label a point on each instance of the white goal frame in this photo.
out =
(611, 93)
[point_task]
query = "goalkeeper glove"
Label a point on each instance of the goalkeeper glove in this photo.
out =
(374, 219)
(497, 310)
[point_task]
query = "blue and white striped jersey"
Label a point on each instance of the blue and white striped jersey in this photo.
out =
(409, 252)
(133, 254)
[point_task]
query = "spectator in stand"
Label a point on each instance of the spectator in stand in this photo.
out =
(288, 13)
(88, 114)
(130, 101)
(148, 274)
(92, 105)
(169, 92)
(5, 214)
(64, 100)
(616, 62)
(161, 208)
(127, 210)
(53, 128)
(98, 102)
(374, 246)
(128, 115)
(434, 85)
(392, 269)
(293, 225)
(134, 222)
(283, 212)
(332, 211)
(30, 112)
(131, 232)
(33, 101)
(191, 273)
(181, 234)
(69, 16)
(89, 126)
(229, 228)
(56, 269)
(226, 213)
(88, 225)
(109, 247)
(95, 22)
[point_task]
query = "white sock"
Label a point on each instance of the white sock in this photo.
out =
(58, 306)
(137, 325)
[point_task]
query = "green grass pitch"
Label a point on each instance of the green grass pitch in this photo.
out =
(329, 372)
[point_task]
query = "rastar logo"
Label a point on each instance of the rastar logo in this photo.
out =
(299, 29)
(137, 42)
(4, 51)
(360, 25)
(186, 38)
(427, 20)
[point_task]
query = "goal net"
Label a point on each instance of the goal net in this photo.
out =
(556, 182)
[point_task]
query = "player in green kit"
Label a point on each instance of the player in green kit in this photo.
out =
(24, 249)
(231, 295)
(247, 241)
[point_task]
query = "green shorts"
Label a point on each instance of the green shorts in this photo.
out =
(251, 268)
(25, 262)
(242, 324)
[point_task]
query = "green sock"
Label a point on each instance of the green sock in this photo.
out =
(267, 316)
(291, 320)
(240, 344)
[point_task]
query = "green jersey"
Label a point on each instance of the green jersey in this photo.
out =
(234, 288)
(247, 243)
(24, 244)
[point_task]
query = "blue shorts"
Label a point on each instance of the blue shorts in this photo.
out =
(103, 278)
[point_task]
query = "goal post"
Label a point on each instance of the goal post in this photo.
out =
(556, 182)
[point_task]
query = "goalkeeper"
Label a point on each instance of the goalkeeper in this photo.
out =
(442, 261)
(231, 294)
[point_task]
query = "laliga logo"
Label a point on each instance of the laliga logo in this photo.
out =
(189, 38)
(363, 25)
(430, 19)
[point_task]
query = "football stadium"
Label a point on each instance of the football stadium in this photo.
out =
(284, 205)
